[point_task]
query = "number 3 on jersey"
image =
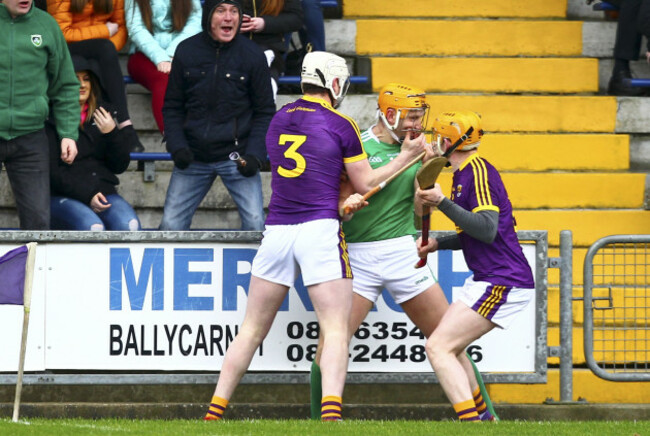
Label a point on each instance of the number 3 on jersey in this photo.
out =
(291, 153)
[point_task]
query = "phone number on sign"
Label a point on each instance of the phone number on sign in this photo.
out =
(361, 352)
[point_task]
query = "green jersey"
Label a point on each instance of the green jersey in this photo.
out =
(390, 211)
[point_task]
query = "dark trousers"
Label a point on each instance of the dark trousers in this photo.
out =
(26, 159)
(628, 38)
(104, 53)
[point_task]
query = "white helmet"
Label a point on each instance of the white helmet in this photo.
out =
(320, 68)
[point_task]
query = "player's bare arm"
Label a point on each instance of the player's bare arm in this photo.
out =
(364, 178)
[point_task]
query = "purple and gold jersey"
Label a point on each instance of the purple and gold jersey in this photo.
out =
(477, 186)
(308, 142)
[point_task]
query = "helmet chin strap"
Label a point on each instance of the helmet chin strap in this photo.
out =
(457, 144)
(391, 131)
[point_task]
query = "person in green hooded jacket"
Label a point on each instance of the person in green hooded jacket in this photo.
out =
(37, 77)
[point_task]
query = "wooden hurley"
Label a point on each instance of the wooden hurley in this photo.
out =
(427, 176)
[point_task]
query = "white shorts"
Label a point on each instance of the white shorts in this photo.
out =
(388, 264)
(499, 304)
(315, 248)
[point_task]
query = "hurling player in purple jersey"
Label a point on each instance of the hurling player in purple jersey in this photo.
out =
(310, 145)
(502, 282)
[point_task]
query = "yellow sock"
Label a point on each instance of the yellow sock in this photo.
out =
(330, 409)
(478, 400)
(217, 407)
(466, 411)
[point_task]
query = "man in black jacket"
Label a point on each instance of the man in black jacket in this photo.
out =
(218, 106)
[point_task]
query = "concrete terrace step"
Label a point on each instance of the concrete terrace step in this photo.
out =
(596, 37)
(468, 37)
(526, 190)
(543, 152)
(521, 151)
(587, 225)
(501, 113)
(514, 113)
(456, 9)
(569, 190)
(489, 75)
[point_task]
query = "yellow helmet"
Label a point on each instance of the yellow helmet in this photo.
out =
(401, 98)
(463, 128)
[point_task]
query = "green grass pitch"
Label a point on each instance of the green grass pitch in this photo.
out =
(72, 427)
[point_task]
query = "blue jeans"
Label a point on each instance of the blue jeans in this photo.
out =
(188, 187)
(314, 29)
(69, 214)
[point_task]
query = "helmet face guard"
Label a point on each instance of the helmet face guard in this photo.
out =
(408, 103)
(322, 69)
(462, 128)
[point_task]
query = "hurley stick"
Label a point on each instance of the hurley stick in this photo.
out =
(426, 177)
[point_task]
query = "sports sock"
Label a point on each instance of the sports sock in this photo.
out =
(315, 390)
(466, 411)
(487, 416)
(217, 407)
(478, 400)
(483, 390)
(331, 408)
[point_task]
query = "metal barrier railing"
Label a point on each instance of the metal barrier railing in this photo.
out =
(75, 376)
(617, 308)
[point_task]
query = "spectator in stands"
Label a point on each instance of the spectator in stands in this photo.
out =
(218, 106)
(313, 30)
(37, 75)
(267, 22)
(633, 23)
(155, 28)
(95, 29)
(83, 193)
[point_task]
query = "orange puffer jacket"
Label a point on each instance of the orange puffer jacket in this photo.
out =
(88, 24)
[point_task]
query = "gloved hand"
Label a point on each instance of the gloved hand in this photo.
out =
(248, 165)
(183, 158)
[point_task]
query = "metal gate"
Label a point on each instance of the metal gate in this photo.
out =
(617, 308)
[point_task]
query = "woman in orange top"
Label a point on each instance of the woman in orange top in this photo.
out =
(95, 29)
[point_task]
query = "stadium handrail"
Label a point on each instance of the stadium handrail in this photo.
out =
(604, 6)
(150, 156)
(641, 83)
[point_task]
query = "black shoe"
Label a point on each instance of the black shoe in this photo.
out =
(132, 138)
(617, 86)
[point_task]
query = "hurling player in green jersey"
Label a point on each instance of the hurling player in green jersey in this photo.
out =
(381, 237)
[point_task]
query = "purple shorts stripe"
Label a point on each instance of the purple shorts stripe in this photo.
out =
(493, 298)
(501, 302)
(346, 270)
(489, 303)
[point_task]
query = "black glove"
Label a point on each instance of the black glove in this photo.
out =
(248, 165)
(183, 158)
